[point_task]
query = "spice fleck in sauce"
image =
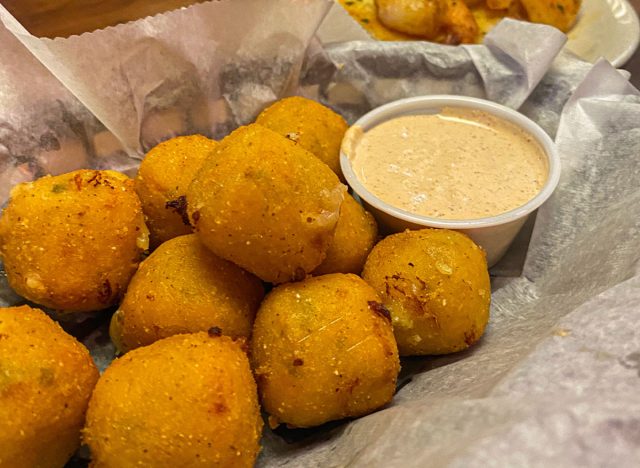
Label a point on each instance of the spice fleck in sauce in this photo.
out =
(458, 164)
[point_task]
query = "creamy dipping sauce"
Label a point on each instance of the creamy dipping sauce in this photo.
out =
(458, 164)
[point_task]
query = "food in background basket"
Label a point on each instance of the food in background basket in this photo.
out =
(559, 13)
(356, 233)
(266, 204)
(323, 349)
(186, 400)
(73, 241)
(162, 181)
(313, 126)
(453, 21)
(46, 379)
(449, 20)
(183, 288)
(436, 285)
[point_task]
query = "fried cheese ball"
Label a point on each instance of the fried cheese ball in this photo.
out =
(183, 288)
(313, 126)
(162, 181)
(355, 236)
(266, 204)
(323, 349)
(46, 379)
(435, 283)
(73, 241)
(186, 400)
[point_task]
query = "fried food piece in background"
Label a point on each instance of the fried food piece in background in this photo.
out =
(457, 23)
(266, 204)
(453, 21)
(162, 181)
(356, 233)
(73, 241)
(444, 21)
(46, 379)
(323, 349)
(416, 17)
(183, 288)
(448, 21)
(561, 14)
(487, 16)
(435, 283)
(365, 13)
(313, 126)
(186, 400)
(499, 4)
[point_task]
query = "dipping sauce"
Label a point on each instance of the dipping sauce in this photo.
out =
(457, 164)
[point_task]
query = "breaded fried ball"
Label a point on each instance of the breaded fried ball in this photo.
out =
(355, 236)
(72, 242)
(186, 400)
(184, 288)
(46, 379)
(323, 349)
(265, 204)
(163, 177)
(436, 285)
(313, 126)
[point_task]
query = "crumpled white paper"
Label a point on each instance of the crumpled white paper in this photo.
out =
(203, 69)
(356, 76)
(555, 381)
(43, 127)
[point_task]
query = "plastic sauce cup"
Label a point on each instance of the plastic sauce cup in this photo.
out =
(494, 233)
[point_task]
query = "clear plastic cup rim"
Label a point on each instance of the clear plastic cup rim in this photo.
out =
(421, 105)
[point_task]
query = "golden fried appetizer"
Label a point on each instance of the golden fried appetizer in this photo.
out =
(416, 17)
(186, 400)
(355, 235)
(498, 4)
(457, 23)
(266, 204)
(72, 242)
(453, 21)
(313, 126)
(46, 379)
(162, 181)
(436, 285)
(323, 349)
(184, 288)
(559, 13)
(450, 21)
